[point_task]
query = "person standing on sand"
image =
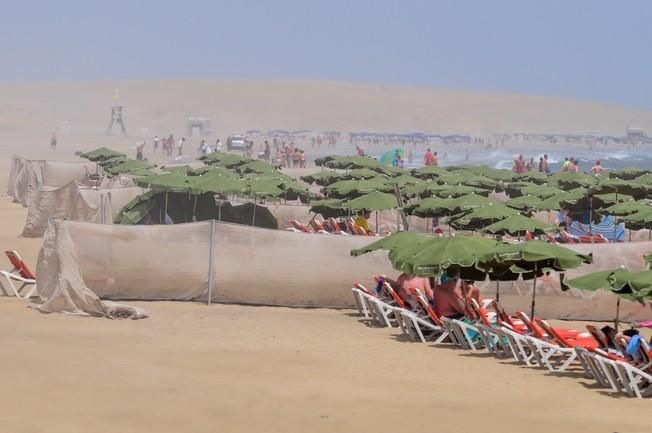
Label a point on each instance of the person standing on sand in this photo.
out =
(268, 151)
(180, 145)
(139, 150)
(565, 165)
(546, 167)
(428, 158)
(156, 142)
(53, 141)
(597, 169)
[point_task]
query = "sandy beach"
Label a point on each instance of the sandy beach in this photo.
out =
(196, 368)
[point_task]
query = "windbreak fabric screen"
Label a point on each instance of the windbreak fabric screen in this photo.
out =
(99, 205)
(83, 264)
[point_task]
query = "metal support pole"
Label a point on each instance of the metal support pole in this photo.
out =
(617, 321)
(211, 261)
(497, 291)
(534, 291)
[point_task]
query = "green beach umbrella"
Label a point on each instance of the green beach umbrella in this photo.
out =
(373, 201)
(531, 257)
(628, 173)
(440, 254)
(354, 188)
(395, 240)
(430, 172)
(525, 203)
(517, 225)
(482, 217)
(328, 208)
(101, 154)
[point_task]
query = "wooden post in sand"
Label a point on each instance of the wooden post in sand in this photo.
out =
(211, 260)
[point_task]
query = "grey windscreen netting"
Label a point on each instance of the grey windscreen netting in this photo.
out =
(26, 176)
(270, 267)
(99, 205)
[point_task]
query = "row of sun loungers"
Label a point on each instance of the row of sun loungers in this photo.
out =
(534, 343)
(344, 226)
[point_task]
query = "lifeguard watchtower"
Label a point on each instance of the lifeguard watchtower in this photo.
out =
(116, 115)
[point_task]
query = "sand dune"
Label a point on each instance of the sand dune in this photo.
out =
(160, 107)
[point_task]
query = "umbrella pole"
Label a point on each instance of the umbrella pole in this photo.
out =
(591, 217)
(376, 221)
(534, 292)
(617, 321)
(194, 209)
(165, 211)
(253, 220)
(615, 220)
(497, 291)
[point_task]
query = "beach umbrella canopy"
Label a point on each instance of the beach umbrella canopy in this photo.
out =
(628, 173)
(165, 182)
(517, 225)
(354, 188)
(352, 162)
(101, 154)
(395, 240)
(638, 221)
(438, 207)
(632, 286)
(541, 191)
(228, 160)
(404, 180)
(113, 161)
(462, 190)
(627, 208)
(324, 178)
(645, 180)
(572, 180)
(525, 203)
(373, 201)
(430, 172)
(529, 259)
(501, 175)
(555, 202)
(361, 173)
(256, 166)
(216, 182)
(536, 177)
(619, 186)
(128, 167)
(482, 217)
(328, 208)
(439, 254)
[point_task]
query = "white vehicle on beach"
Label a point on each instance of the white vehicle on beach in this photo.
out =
(235, 142)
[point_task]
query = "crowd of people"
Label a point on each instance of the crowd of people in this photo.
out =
(287, 155)
(570, 165)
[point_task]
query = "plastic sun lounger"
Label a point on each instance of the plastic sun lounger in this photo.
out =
(490, 335)
(360, 294)
(520, 346)
(536, 331)
(426, 327)
(20, 274)
(581, 339)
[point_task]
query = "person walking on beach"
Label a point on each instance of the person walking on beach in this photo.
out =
(139, 150)
(53, 141)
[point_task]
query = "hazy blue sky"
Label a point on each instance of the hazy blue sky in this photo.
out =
(588, 49)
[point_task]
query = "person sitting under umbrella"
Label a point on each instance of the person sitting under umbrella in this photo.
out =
(363, 219)
(448, 298)
(406, 282)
